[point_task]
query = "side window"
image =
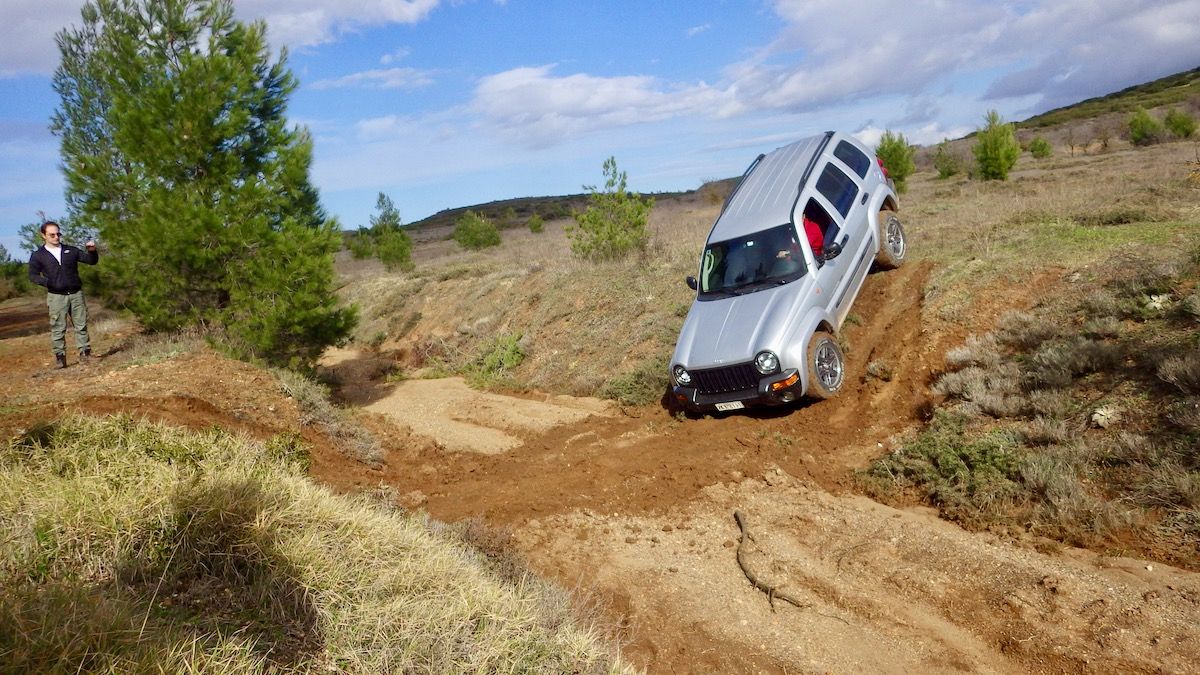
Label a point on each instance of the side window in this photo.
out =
(853, 158)
(838, 188)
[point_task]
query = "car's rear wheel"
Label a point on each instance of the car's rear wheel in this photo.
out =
(892, 244)
(826, 366)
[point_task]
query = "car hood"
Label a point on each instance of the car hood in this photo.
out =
(733, 330)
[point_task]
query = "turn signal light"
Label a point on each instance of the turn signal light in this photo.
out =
(784, 384)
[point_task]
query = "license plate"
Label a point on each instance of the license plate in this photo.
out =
(732, 405)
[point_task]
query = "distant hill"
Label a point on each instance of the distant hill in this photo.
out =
(1100, 112)
(1169, 90)
(507, 213)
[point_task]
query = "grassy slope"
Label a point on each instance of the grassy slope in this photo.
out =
(131, 547)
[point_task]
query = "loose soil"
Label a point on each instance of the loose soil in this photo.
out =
(634, 506)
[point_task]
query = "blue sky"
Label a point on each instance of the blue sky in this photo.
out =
(445, 104)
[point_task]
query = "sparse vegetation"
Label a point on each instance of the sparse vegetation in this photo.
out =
(996, 148)
(316, 409)
(474, 232)
(1009, 449)
(614, 223)
(495, 363)
(897, 156)
(130, 547)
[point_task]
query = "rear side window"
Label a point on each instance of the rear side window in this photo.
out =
(853, 158)
(838, 188)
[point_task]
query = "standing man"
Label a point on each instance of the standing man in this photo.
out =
(55, 265)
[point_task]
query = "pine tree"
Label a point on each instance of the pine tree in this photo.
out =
(996, 148)
(392, 243)
(614, 224)
(176, 149)
(897, 156)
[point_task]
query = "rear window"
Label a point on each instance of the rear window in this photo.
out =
(838, 188)
(853, 158)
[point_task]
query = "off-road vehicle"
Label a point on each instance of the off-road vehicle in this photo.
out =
(780, 270)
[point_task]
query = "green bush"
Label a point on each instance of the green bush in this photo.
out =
(536, 224)
(897, 156)
(1040, 148)
(614, 223)
(1179, 123)
(474, 232)
(945, 162)
(361, 245)
(1143, 128)
(996, 148)
(394, 248)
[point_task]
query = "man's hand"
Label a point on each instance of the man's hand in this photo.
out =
(91, 245)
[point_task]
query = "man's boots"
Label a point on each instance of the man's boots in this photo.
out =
(85, 355)
(61, 360)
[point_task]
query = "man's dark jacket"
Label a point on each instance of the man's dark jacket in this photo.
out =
(44, 269)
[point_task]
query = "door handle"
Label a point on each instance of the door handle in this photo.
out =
(864, 198)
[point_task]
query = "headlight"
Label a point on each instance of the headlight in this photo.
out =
(766, 362)
(682, 376)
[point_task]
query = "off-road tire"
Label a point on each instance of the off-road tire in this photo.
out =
(893, 246)
(826, 366)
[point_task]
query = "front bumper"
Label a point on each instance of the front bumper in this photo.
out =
(778, 389)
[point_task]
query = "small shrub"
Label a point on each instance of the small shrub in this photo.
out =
(996, 148)
(474, 232)
(643, 385)
(897, 156)
(976, 351)
(361, 245)
(536, 224)
(496, 361)
(614, 223)
(1025, 331)
(945, 162)
(1182, 372)
(1143, 128)
(1040, 148)
(1179, 123)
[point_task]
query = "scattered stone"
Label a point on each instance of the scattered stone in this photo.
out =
(631, 540)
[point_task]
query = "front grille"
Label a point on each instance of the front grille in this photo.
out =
(729, 378)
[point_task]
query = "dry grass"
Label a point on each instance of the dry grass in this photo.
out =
(128, 547)
(589, 328)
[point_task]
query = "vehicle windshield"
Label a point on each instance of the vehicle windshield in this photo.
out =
(751, 263)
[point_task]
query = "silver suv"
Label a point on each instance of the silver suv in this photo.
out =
(781, 268)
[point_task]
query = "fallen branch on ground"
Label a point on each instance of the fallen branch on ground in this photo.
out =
(772, 592)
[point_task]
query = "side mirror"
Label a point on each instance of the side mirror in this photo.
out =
(691, 282)
(831, 251)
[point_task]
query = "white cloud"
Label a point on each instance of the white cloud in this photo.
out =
(696, 30)
(306, 23)
(386, 78)
(27, 27)
(398, 55)
(539, 108)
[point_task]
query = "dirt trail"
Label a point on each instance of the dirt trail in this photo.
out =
(637, 507)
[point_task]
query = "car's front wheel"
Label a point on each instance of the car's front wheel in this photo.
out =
(892, 244)
(826, 366)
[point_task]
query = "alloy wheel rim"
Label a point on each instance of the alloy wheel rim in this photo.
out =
(895, 237)
(829, 366)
